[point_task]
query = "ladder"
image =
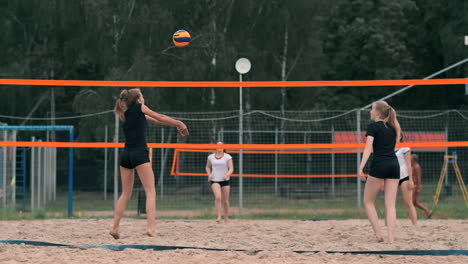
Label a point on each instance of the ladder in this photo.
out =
(453, 160)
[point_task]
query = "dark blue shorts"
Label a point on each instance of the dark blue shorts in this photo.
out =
(403, 180)
(131, 158)
(223, 183)
(385, 169)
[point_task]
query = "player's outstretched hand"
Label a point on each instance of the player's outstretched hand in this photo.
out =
(183, 130)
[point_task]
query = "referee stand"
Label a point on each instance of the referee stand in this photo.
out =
(453, 160)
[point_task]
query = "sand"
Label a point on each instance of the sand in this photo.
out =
(277, 238)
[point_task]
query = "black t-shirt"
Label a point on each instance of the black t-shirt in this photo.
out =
(135, 128)
(384, 141)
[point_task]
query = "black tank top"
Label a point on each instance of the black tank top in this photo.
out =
(384, 141)
(135, 127)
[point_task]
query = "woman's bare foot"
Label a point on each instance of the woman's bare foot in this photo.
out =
(429, 213)
(151, 233)
(115, 234)
(379, 238)
(218, 220)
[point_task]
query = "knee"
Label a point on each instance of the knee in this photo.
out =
(226, 203)
(126, 195)
(368, 202)
(217, 199)
(409, 203)
(150, 193)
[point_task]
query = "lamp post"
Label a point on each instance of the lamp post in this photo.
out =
(242, 66)
(466, 84)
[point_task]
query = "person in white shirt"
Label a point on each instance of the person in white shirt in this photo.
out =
(219, 168)
(406, 180)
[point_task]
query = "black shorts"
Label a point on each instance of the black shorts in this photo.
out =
(131, 158)
(385, 169)
(403, 180)
(223, 183)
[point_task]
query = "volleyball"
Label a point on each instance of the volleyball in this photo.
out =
(181, 38)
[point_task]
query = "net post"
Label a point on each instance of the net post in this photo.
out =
(13, 172)
(54, 171)
(46, 169)
(46, 174)
(333, 161)
(276, 163)
(241, 151)
(49, 174)
(358, 159)
(44, 178)
(446, 149)
(40, 174)
(308, 158)
(106, 132)
(70, 173)
(33, 174)
(41, 177)
(4, 172)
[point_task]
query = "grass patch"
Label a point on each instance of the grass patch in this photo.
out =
(294, 215)
(263, 206)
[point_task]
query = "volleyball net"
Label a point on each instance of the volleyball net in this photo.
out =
(320, 155)
(287, 159)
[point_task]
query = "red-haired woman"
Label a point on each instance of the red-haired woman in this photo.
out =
(134, 113)
(219, 168)
(382, 136)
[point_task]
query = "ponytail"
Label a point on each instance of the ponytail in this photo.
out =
(126, 100)
(388, 114)
(120, 105)
(393, 122)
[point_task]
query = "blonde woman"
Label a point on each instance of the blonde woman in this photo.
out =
(382, 136)
(134, 113)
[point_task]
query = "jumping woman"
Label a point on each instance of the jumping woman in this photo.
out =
(134, 113)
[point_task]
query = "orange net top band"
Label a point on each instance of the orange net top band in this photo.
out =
(226, 146)
(231, 84)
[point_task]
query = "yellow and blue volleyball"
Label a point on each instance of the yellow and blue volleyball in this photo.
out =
(181, 38)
